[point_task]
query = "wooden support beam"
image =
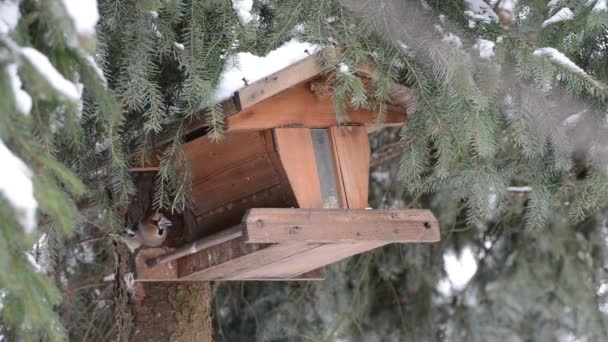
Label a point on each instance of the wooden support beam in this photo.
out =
(318, 274)
(352, 155)
(299, 107)
(295, 149)
(267, 225)
(194, 247)
(288, 267)
(192, 269)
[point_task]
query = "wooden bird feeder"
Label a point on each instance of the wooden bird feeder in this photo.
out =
(285, 192)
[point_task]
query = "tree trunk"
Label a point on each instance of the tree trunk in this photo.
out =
(157, 311)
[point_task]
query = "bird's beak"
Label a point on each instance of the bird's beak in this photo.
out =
(164, 223)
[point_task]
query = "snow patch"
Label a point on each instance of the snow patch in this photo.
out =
(97, 69)
(563, 14)
(9, 15)
(42, 64)
(84, 15)
(452, 39)
(460, 268)
(559, 58)
(519, 189)
(485, 47)
(129, 282)
(479, 10)
(572, 120)
(23, 101)
(110, 277)
(344, 69)
(553, 3)
(600, 6)
(17, 187)
(245, 65)
(179, 46)
(243, 10)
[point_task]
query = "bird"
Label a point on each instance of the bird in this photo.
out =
(149, 232)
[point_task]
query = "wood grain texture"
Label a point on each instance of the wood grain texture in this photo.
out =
(295, 149)
(308, 260)
(231, 214)
(299, 107)
(279, 81)
(318, 274)
(224, 172)
(214, 256)
(199, 245)
(268, 225)
(352, 155)
(231, 268)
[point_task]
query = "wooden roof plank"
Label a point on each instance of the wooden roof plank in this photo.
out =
(298, 106)
(281, 80)
(269, 225)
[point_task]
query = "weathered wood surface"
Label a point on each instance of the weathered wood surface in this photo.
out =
(268, 225)
(283, 79)
(230, 260)
(240, 172)
(308, 260)
(232, 213)
(299, 107)
(318, 274)
(352, 155)
(191, 248)
(295, 149)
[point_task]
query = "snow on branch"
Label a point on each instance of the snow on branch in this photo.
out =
(23, 101)
(600, 6)
(9, 15)
(485, 48)
(84, 15)
(563, 14)
(519, 189)
(479, 10)
(44, 67)
(17, 187)
(246, 68)
(243, 10)
(560, 59)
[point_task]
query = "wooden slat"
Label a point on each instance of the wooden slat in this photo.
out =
(275, 160)
(352, 153)
(286, 268)
(268, 225)
(194, 247)
(230, 269)
(281, 80)
(216, 255)
(232, 184)
(295, 149)
(299, 107)
(232, 213)
(318, 274)
(208, 158)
